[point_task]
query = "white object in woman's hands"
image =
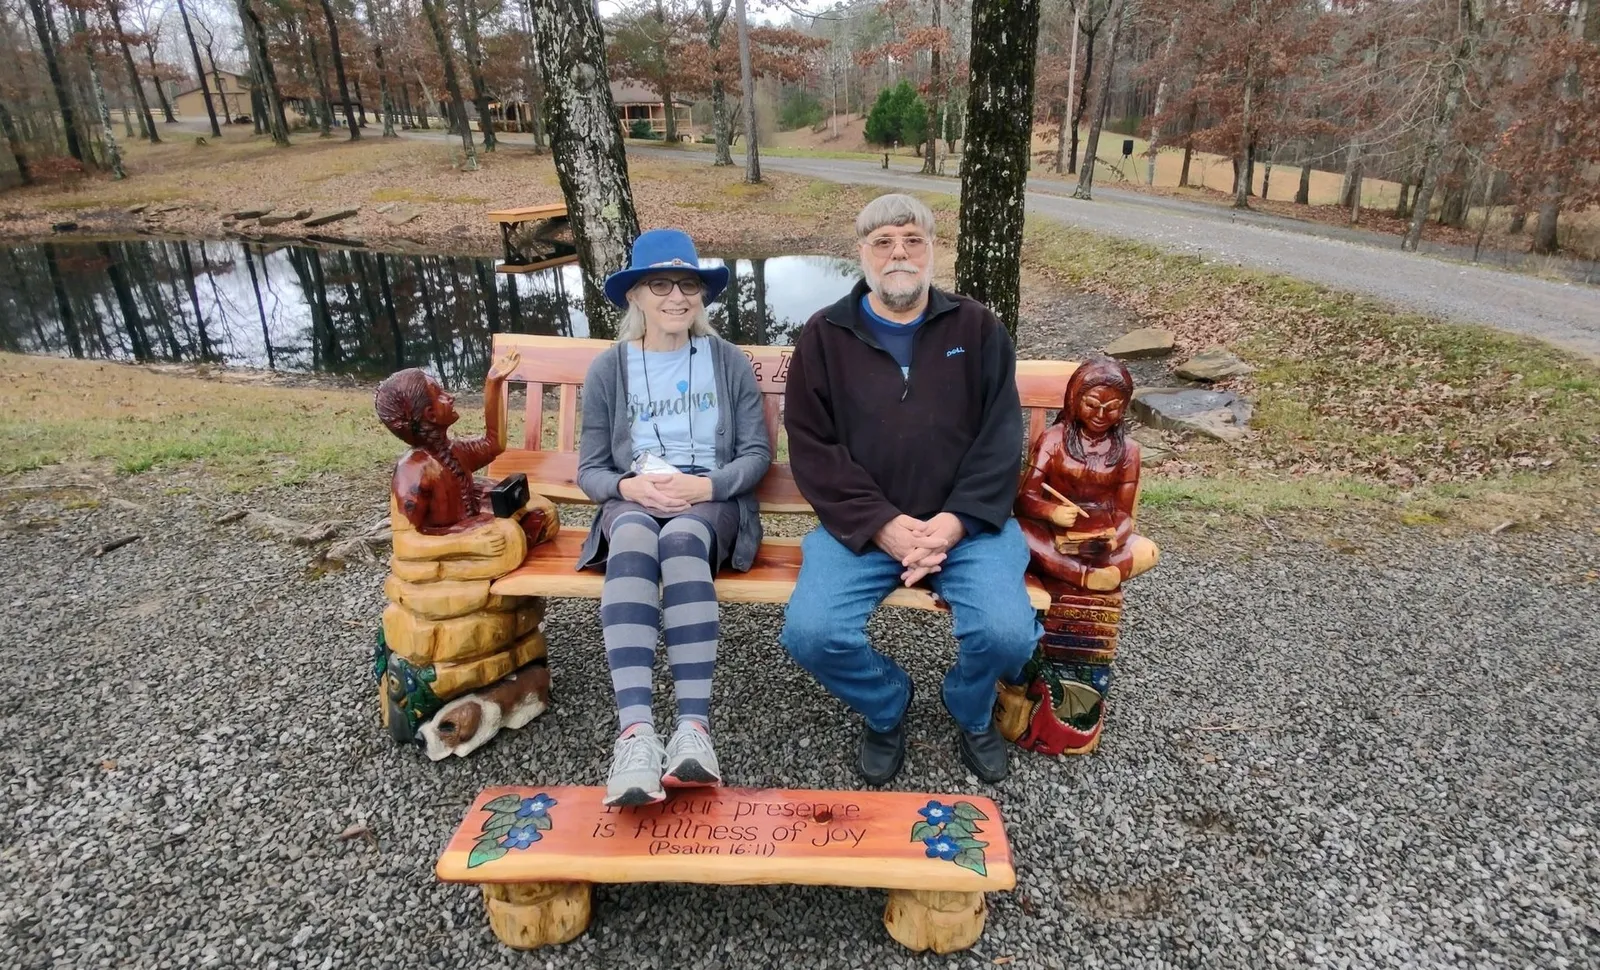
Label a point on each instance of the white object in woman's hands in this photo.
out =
(650, 463)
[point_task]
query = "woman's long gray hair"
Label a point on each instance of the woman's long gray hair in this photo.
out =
(632, 325)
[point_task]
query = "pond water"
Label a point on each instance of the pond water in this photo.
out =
(341, 311)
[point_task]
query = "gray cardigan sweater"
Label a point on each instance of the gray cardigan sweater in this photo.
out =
(743, 452)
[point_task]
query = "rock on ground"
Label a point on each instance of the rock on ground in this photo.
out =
(1212, 364)
(1217, 414)
(1141, 343)
(1314, 759)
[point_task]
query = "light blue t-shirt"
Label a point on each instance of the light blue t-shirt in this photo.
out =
(672, 404)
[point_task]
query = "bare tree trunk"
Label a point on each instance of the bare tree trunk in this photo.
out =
(158, 84)
(383, 73)
(670, 120)
(721, 124)
(1241, 182)
(1155, 114)
(115, 10)
(199, 70)
(19, 154)
(1569, 89)
(1471, 16)
(1067, 114)
(338, 70)
(994, 164)
(1083, 99)
(1401, 206)
(535, 86)
(452, 84)
(324, 116)
(752, 155)
(98, 92)
(587, 144)
(264, 74)
(1188, 145)
(480, 93)
(1102, 101)
(42, 27)
(930, 157)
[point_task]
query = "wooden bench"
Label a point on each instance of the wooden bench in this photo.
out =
(548, 250)
(537, 852)
(550, 460)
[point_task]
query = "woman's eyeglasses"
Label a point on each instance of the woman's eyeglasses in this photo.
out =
(661, 286)
(884, 245)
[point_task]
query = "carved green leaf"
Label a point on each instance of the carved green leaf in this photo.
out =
(971, 844)
(971, 859)
(485, 851)
(541, 822)
(970, 812)
(505, 803)
(922, 831)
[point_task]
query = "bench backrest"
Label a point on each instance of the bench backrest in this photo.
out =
(548, 452)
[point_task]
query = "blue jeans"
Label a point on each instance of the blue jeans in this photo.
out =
(825, 626)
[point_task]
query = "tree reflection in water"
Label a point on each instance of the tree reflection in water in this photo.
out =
(339, 311)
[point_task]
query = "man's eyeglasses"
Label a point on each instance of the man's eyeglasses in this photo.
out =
(884, 245)
(661, 286)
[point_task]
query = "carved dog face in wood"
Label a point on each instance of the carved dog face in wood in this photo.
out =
(468, 723)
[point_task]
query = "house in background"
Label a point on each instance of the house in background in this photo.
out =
(231, 101)
(635, 102)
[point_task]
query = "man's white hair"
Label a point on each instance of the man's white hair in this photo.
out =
(894, 209)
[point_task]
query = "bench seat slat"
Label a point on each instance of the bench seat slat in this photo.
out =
(865, 841)
(550, 570)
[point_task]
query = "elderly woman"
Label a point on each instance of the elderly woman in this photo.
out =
(673, 447)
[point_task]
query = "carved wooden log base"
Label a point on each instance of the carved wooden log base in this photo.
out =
(943, 922)
(529, 915)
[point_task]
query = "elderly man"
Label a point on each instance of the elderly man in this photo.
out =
(905, 434)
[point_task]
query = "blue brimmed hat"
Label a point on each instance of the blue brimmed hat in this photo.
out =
(664, 249)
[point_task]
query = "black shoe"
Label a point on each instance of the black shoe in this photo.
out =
(986, 754)
(883, 752)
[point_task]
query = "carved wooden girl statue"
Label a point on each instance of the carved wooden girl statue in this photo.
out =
(1075, 504)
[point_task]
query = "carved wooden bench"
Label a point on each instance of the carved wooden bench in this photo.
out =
(537, 852)
(549, 569)
(551, 251)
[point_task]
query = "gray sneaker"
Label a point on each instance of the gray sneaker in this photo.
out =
(636, 769)
(691, 761)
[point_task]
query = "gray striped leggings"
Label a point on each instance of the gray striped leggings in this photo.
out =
(657, 573)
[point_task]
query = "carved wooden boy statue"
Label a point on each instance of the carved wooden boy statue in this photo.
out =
(1075, 506)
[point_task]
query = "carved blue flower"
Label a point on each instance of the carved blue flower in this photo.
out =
(536, 806)
(937, 813)
(521, 836)
(940, 847)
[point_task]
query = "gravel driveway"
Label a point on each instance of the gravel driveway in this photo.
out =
(1315, 759)
(1566, 314)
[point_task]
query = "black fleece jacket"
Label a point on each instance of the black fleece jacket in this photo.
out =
(867, 444)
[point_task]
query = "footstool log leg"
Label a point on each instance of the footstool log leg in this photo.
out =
(529, 915)
(943, 922)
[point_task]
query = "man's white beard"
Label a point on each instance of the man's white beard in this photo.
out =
(899, 299)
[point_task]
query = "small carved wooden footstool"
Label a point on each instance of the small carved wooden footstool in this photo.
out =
(537, 852)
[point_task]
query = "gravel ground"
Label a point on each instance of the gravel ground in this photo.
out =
(1566, 314)
(1313, 759)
